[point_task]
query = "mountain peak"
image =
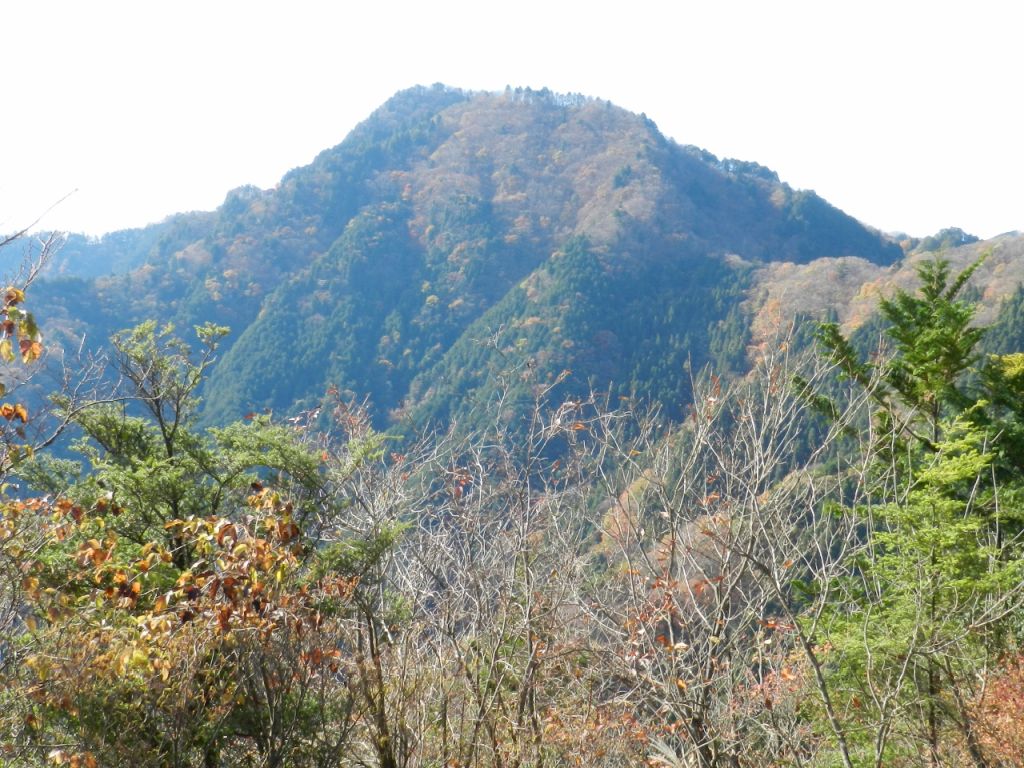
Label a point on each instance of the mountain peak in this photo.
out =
(593, 242)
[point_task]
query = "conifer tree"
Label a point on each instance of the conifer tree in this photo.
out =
(928, 604)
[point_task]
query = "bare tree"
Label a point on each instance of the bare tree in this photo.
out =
(720, 532)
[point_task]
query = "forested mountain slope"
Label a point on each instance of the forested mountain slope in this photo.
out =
(452, 232)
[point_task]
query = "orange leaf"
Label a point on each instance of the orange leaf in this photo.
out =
(226, 531)
(30, 350)
(287, 531)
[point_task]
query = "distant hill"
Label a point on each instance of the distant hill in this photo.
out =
(849, 288)
(453, 236)
(117, 253)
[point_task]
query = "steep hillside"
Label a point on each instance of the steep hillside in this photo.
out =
(220, 266)
(849, 288)
(452, 236)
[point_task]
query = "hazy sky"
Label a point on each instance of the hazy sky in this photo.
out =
(904, 114)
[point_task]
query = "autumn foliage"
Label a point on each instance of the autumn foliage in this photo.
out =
(586, 587)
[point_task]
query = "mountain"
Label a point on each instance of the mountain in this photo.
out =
(454, 236)
(656, 592)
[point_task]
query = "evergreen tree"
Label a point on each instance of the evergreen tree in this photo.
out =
(928, 602)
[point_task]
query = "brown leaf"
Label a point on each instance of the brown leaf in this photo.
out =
(223, 618)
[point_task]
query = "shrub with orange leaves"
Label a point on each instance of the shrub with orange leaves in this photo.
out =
(130, 660)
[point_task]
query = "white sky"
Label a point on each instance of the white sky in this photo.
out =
(904, 114)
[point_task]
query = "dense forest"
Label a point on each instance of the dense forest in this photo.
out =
(535, 439)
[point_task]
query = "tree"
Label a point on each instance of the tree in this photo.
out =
(20, 346)
(720, 530)
(923, 381)
(189, 594)
(928, 603)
